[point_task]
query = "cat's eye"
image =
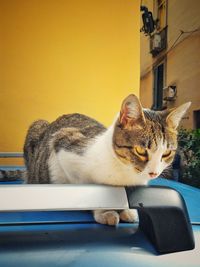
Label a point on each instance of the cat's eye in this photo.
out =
(167, 154)
(141, 151)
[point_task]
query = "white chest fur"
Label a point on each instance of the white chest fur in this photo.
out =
(98, 165)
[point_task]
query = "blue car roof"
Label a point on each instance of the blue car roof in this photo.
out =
(190, 194)
(74, 239)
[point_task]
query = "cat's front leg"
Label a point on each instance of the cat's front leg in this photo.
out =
(109, 217)
(112, 217)
(128, 215)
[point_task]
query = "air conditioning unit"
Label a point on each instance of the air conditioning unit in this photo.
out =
(170, 93)
(158, 42)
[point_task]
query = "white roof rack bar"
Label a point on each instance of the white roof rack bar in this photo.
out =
(61, 197)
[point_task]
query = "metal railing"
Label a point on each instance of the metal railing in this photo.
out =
(11, 154)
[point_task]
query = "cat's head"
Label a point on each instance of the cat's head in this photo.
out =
(146, 140)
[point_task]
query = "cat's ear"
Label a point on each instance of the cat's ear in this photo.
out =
(131, 113)
(175, 116)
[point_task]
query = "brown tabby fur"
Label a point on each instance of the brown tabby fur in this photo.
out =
(70, 132)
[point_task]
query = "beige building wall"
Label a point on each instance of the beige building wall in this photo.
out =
(183, 70)
(146, 83)
(182, 62)
(145, 56)
(146, 93)
(182, 15)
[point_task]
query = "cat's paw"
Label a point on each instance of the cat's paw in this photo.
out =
(129, 215)
(109, 217)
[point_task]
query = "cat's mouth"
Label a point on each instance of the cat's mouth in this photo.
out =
(153, 175)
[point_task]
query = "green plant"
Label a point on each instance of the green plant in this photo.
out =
(189, 149)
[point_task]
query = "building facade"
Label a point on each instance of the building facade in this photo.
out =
(170, 58)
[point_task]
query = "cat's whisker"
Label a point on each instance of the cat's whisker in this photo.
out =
(138, 170)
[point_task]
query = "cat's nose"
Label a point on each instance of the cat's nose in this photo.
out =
(153, 174)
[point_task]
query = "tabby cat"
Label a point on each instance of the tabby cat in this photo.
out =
(76, 149)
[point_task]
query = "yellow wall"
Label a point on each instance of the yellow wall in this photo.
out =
(59, 56)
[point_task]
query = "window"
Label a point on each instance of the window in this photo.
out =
(161, 14)
(158, 85)
(197, 119)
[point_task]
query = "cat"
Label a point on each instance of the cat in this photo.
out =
(77, 149)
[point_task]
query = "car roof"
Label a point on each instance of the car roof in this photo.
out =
(190, 194)
(74, 239)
